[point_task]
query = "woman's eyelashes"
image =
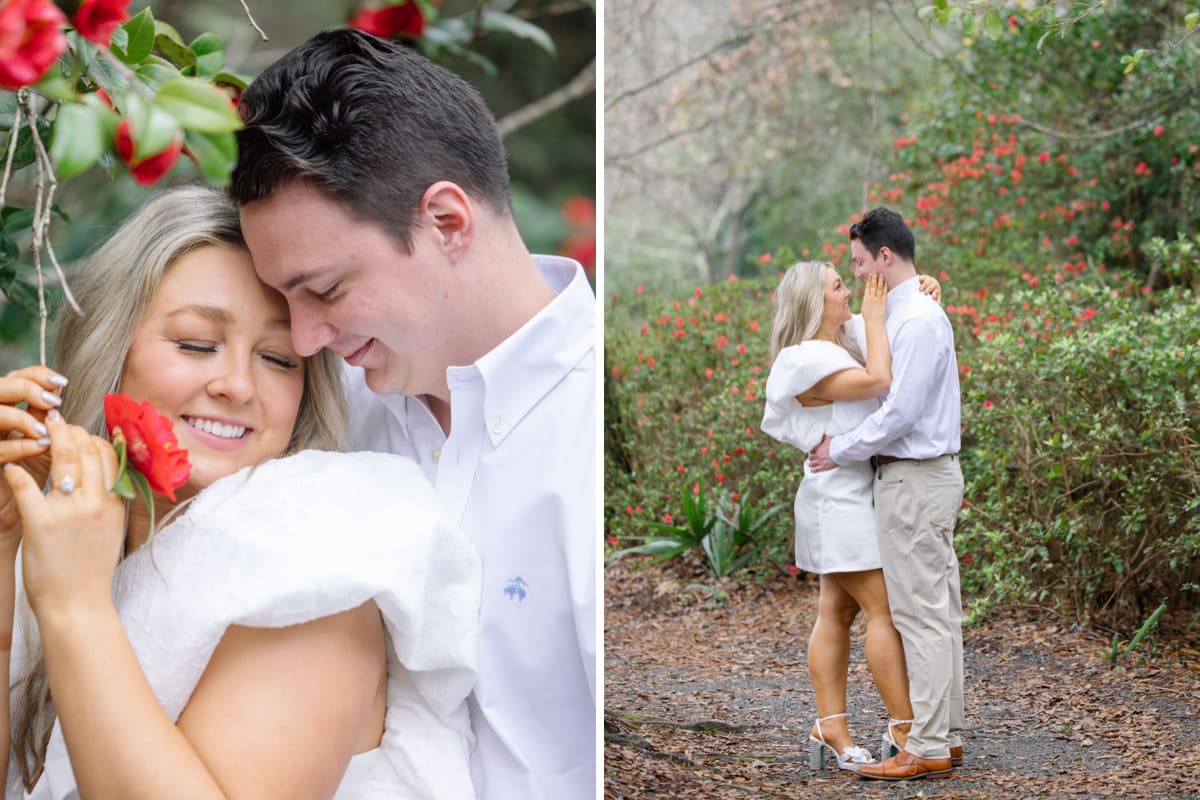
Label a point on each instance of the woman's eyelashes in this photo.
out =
(280, 361)
(208, 348)
(196, 347)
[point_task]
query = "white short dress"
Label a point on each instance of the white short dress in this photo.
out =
(297, 539)
(835, 514)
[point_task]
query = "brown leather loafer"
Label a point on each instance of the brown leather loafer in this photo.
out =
(956, 756)
(904, 766)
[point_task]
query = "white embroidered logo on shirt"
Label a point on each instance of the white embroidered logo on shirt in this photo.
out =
(515, 589)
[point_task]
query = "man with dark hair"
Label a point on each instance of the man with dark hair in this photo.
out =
(374, 195)
(913, 442)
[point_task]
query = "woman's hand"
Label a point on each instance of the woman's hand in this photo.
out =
(874, 299)
(73, 534)
(929, 285)
(23, 435)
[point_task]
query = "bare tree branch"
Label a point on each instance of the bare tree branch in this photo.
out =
(582, 84)
(254, 24)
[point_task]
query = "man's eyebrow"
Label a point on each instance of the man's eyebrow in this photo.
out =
(302, 278)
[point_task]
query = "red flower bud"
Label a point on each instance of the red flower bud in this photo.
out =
(401, 19)
(31, 38)
(146, 171)
(97, 19)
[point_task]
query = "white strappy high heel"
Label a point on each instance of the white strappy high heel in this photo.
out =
(890, 748)
(851, 758)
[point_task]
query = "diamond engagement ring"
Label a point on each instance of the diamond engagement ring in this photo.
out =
(67, 485)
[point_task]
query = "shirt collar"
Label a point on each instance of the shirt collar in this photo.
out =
(522, 369)
(905, 290)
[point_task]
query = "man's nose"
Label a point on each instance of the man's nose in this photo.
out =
(310, 332)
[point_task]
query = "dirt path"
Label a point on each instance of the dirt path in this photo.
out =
(706, 700)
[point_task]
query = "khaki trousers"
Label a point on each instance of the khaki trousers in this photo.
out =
(916, 506)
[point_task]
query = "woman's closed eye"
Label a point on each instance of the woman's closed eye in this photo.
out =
(280, 360)
(196, 347)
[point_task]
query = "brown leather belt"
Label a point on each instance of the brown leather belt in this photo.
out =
(879, 461)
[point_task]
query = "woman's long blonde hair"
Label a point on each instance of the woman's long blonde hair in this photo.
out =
(114, 287)
(799, 306)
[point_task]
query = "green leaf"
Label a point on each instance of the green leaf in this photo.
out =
(16, 218)
(214, 153)
(231, 79)
(198, 105)
(496, 21)
(156, 134)
(155, 75)
(210, 53)
(56, 87)
(124, 486)
(993, 26)
(1191, 19)
(140, 36)
(170, 44)
(119, 42)
(78, 139)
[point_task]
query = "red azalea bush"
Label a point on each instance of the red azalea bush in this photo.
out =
(150, 442)
(682, 406)
(31, 39)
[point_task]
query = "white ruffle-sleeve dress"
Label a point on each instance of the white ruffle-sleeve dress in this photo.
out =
(835, 513)
(297, 539)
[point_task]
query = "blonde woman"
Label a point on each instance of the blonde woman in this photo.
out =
(302, 625)
(830, 369)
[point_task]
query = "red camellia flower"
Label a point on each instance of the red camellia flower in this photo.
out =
(146, 171)
(150, 442)
(97, 19)
(31, 38)
(401, 19)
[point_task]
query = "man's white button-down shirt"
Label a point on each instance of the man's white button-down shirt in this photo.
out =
(517, 474)
(920, 416)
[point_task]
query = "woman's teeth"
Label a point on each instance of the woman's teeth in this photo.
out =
(216, 428)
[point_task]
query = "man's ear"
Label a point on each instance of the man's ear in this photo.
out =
(885, 255)
(452, 215)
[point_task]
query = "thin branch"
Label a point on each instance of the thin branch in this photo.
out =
(42, 161)
(62, 279)
(13, 135)
(254, 24)
(582, 84)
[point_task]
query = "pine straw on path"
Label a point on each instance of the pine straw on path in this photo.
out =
(712, 701)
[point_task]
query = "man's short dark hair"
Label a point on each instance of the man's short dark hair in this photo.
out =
(371, 123)
(882, 227)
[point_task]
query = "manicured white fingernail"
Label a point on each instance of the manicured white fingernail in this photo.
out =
(43, 442)
(40, 429)
(52, 399)
(57, 380)
(53, 416)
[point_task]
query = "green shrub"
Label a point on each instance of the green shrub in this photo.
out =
(1080, 442)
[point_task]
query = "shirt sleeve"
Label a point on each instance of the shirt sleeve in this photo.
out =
(918, 357)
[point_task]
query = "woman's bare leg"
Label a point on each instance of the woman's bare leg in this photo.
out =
(884, 650)
(829, 658)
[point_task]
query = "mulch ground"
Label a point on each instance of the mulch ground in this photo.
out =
(707, 696)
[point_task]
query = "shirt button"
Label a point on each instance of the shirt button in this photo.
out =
(497, 428)
(435, 454)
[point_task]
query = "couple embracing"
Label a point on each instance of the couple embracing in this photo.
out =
(874, 401)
